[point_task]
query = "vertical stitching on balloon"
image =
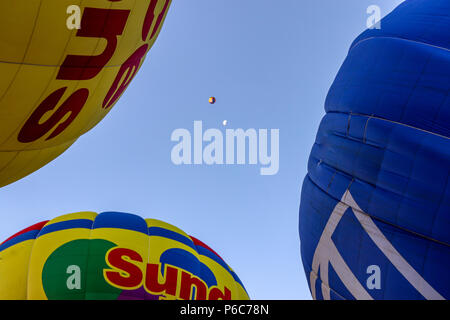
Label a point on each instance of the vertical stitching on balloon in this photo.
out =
(348, 122)
(365, 128)
(148, 223)
(87, 257)
(29, 259)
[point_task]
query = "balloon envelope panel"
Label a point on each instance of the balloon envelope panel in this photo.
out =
(57, 82)
(112, 255)
(375, 205)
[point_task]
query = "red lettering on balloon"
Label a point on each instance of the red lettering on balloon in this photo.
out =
(95, 23)
(216, 294)
(150, 16)
(116, 259)
(33, 129)
(153, 285)
(187, 283)
(127, 275)
(130, 67)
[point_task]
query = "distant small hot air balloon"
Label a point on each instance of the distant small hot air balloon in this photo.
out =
(212, 100)
(112, 256)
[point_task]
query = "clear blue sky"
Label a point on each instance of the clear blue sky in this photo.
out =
(270, 65)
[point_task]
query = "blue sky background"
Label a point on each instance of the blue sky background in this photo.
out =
(270, 65)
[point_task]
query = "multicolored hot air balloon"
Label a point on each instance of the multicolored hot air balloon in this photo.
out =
(375, 206)
(58, 82)
(112, 255)
(212, 100)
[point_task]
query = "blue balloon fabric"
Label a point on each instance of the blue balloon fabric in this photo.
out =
(375, 206)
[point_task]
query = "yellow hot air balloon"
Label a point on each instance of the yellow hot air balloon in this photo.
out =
(63, 65)
(112, 256)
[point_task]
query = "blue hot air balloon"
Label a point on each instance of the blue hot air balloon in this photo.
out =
(375, 206)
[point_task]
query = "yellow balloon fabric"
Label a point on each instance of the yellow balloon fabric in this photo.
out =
(63, 65)
(112, 255)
